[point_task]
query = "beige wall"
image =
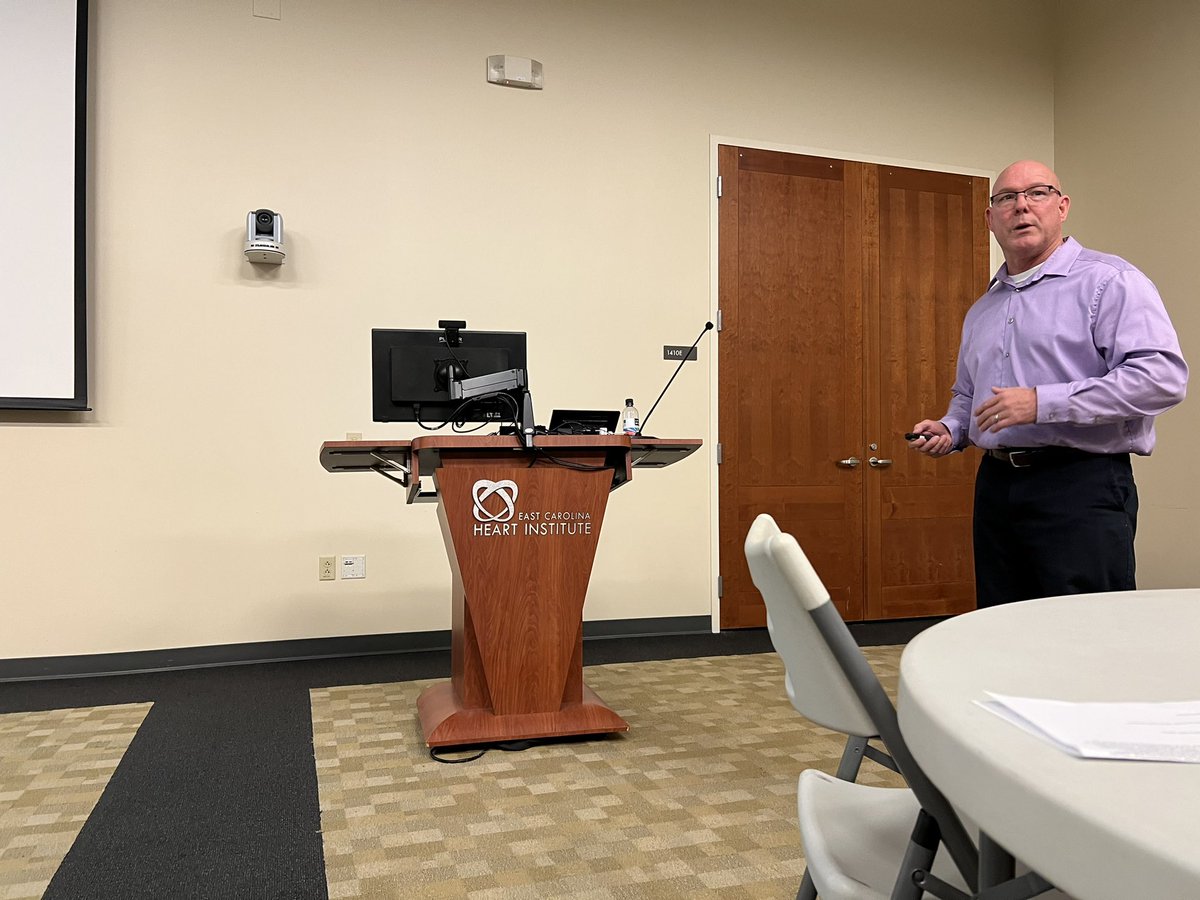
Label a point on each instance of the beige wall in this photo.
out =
(190, 509)
(1127, 125)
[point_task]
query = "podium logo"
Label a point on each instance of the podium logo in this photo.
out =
(505, 490)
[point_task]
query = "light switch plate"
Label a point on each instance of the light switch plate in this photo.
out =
(353, 567)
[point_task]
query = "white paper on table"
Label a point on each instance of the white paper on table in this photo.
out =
(1165, 732)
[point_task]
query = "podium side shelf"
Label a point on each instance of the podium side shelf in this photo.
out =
(422, 455)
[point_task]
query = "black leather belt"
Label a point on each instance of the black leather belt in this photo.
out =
(1028, 457)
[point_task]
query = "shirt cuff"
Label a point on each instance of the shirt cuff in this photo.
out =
(956, 432)
(1052, 403)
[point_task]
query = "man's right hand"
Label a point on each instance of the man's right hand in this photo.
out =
(934, 438)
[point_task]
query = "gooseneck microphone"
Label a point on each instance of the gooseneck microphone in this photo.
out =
(707, 328)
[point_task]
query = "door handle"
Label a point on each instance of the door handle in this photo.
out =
(850, 463)
(876, 463)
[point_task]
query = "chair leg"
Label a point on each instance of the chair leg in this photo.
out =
(808, 890)
(852, 758)
(922, 846)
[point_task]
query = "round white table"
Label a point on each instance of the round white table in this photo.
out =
(1098, 829)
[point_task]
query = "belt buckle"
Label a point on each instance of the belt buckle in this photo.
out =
(1015, 457)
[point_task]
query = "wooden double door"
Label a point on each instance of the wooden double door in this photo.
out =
(843, 287)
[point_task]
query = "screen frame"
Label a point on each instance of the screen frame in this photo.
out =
(435, 409)
(78, 401)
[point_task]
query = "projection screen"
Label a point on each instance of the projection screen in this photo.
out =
(43, 103)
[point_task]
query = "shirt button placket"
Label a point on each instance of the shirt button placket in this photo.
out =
(1006, 339)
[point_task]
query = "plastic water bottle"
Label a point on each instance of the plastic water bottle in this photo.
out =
(629, 419)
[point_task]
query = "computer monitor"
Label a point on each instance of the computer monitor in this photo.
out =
(412, 371)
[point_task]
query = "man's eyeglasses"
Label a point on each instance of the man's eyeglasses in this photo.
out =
(1039, 193)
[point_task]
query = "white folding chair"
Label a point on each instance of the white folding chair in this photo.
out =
(827, 702)
(863, 842)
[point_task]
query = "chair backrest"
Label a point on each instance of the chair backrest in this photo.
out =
(814, 681)
(801, 582)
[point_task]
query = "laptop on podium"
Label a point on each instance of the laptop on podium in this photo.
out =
(583, 421)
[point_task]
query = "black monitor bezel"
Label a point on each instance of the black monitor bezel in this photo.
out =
(435, 409)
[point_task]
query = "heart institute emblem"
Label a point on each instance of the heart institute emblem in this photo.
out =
(507, 492)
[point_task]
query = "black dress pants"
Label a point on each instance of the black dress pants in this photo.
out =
(1063, 525)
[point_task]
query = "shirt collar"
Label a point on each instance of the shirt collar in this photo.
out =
(1058, 263)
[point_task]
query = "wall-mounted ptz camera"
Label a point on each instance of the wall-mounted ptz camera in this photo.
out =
(264, 237)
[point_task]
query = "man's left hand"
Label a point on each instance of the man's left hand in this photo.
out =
(1010, 406)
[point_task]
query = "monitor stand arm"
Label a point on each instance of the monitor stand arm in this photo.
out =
(527, 420)
(508, 380)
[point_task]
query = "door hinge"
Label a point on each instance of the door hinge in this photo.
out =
(720, 323)
(720, 586)
(718, 187)
(720, 453)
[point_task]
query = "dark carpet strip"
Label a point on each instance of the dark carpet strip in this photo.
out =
(217, 795)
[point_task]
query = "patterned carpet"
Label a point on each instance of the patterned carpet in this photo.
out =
(56, 764)
(697, 800)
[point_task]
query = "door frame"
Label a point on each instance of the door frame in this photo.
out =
(715, 140)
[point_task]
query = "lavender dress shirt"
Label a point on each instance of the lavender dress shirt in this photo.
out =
(1091, 334)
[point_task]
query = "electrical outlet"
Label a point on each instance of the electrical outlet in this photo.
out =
(354, 435)
(354, 567)
(326, 568)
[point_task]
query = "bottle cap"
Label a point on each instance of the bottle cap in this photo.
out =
(629, 402)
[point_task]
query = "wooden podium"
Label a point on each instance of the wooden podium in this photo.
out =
(521, 528)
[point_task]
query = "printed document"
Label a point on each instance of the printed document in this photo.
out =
(1164, 732)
